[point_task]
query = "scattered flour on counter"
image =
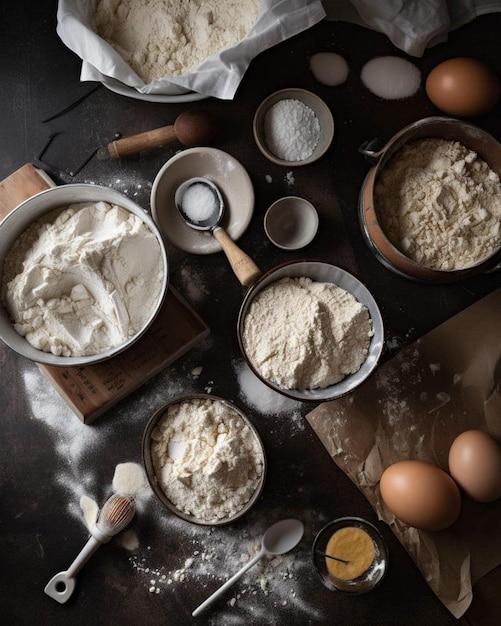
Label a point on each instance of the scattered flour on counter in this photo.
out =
(202, 557)
(129, 479)
(90, 510)
(260, 396)
(194, 285)
(303, 334)
(159, 38)
(289, 178)
(128, 540)
(209, 556)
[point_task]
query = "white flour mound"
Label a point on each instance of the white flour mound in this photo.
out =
(160, 38)
(85, 282)
(207, 459)
(303, 334)
(440, 204)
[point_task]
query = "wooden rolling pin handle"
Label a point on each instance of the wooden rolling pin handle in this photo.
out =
(244, 267)
(143, 141)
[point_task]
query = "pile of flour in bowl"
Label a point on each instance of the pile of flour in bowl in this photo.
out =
(207, 459)
(84, 280)
(160, 38)
(303, 334)
(439, 203)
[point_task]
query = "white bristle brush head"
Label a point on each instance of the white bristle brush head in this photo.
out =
(116, 514)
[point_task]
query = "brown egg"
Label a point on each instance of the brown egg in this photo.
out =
(421, 495)
(475, 464)
(463, 87)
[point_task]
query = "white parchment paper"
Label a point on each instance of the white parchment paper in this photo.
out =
(218, 76)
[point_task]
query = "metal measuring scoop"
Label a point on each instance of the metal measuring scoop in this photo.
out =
(201, 206)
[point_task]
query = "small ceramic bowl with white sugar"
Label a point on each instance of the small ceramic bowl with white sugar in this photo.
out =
(293, 127)
(204, 459)
(291, 223)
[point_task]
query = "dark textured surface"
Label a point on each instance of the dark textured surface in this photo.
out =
(48, 459)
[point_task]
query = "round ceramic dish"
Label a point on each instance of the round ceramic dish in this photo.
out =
(34, 208)
(371, 578)
(321, 272)
(291, 223)
(443, 128)
(222, 169)
(311, 100)
(154, 480)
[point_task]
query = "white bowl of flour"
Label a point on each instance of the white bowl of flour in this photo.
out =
(310, 330)
(83, 274)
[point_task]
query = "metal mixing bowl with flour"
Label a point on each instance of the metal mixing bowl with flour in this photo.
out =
(474, 138)
(324, 272)
(16, 223)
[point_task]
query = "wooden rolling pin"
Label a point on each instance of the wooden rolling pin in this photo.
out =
(192, 128)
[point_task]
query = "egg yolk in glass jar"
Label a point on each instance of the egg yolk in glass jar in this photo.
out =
(353, 545)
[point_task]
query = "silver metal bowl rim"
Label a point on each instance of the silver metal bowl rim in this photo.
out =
(348, 282)
(150, 470)
(61, 196)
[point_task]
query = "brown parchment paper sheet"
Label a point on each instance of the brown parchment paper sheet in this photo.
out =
(413, 407)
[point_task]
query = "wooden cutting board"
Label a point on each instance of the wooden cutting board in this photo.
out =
(92, 389)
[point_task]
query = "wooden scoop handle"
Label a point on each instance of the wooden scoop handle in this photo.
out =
(137, 143)
(244, 267)
(191, 128)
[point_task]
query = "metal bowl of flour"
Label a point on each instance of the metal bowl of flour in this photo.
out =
(318, 271)
(41, 205)
(198, 439)
(471, 136)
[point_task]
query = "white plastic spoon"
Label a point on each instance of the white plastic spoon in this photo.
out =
(278, 539)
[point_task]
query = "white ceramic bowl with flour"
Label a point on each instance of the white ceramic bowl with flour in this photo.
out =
(293, 127)
(22, 217)
(204, 459)
(321, 272)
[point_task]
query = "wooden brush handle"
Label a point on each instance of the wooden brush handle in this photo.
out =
(137, 143)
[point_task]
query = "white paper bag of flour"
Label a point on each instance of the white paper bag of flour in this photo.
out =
(219, 75)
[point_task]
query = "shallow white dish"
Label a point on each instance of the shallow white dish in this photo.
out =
(124, 90)
(233, 182)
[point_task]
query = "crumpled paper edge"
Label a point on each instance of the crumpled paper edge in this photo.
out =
(219, 76)
(411, 26)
